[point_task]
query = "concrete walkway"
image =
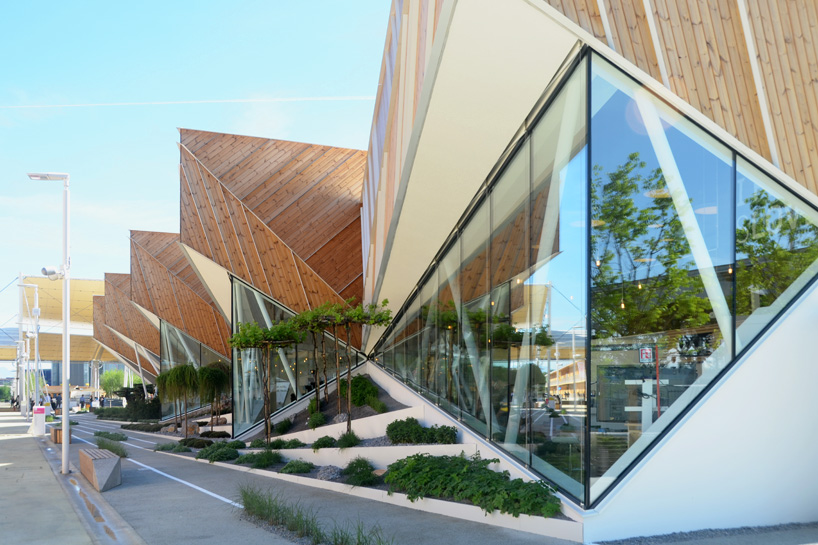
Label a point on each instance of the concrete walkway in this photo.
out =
(168, 499)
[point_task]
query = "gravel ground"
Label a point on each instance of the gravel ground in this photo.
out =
(733, 535)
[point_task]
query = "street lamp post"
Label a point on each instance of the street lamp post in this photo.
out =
(66, 306)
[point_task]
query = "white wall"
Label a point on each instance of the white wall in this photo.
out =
(746, 456)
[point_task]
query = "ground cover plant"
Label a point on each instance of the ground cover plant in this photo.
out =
(277, 444)
(113, 446)
(469, 479)
(364, 392)
(302, 521)
(297, 466)
(409, 430)
(171, 447)
(316, 420)
(215, 434)
(261, 460)
(323, 442)
(236, 444)
(218, 452)
(258, 443)
(348, 439)
(359, 472)
(113, 436)
(284, 426)
(149, 428)
(195, 442)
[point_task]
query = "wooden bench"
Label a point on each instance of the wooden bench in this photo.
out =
(101, 467)
(56, 434)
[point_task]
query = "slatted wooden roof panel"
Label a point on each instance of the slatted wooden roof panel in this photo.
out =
(584, 13)
(177, 303)
(340, 259)
(122, 316)
(105, 335)
(630, 33)
(786, 40)
(247, 247)
(165, 247)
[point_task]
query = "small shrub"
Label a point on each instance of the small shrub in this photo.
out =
(349, 439)
(180, 448)
(195, 442)
(215, 434)
(316, 420)
(284, 426)
(49, 418)
(73, 423)
(261, 460)
(323, 442)
(379, 406)
(410, 431)
(277, 444)
(258, 443)
(312, 407)
(113, 436)
(218, 452)
(165, 447)
(359, 472)
(236, 444)
(203, 423)
(362, 389)
(297, 466)
(113, 446)
(149, 428)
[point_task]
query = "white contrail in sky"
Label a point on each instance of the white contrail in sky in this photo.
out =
(173, 102)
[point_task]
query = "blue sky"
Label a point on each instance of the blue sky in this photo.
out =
(123, 159)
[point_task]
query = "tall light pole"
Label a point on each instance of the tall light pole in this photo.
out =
(66, 305)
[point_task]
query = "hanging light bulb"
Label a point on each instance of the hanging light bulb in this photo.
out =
(729, 270)
(639, 285)
(598, 262)
(622, 303)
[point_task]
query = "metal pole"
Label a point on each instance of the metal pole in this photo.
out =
(66, 320)
(21, 385)
(37, 340)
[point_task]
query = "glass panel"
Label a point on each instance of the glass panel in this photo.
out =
(448, 332)
(474, 396)
(178, 348)
(661, 259)
(776, 250)
(555, 289)
(428, 342)
(414, 326)
(509, 219)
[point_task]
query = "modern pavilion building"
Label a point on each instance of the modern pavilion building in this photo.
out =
(596, 222)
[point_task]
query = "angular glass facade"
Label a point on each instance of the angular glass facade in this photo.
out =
(178, 348)
(293, 370)
(616, 264)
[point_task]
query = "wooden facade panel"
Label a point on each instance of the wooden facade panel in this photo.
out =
(786, 34)
(157, 281)
(354, 289)
(317, 291)
(105, 335)
(278, 263)
(122, 316)
(255, 270)
(220, 152)
(139, 289)
(256, 169)
(585, 13)
(631, 34)
(338, 262)
(191, 229)
(153, 241)
(172, 258)
(202, 323)
(204, 209)
(226, 227)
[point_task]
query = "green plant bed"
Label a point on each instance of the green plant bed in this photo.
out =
(258, 443)
(469, 479)
(165, 447)
(261, 460)
(149, 428)
(323, 442)
(73, 423)
(284, 426)
(215, 434)
(113, 446)
(278, 444)
(218, 452)
(236, 444)
(359, 473)
(195, 442)
(410, 431)
(362, 389)
(316, 420)
(297, 466)
(378, 405)
(348, 440)
(113, 436)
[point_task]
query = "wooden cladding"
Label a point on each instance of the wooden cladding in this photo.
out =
(307, 195)
(157, 289)
(107, 337)
(122, 316)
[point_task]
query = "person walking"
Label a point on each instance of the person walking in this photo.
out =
(82, 402)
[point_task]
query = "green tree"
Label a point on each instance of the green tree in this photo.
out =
(111, 381)
(184, 380)
(315, 322)
(5, 393)
(213, 382)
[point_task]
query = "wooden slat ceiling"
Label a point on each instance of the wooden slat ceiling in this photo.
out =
(217, 224)
(161, 292)
(308, 195)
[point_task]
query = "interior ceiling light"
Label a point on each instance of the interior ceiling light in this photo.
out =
(658, 194)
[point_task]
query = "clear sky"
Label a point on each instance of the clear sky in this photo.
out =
(68, 69)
